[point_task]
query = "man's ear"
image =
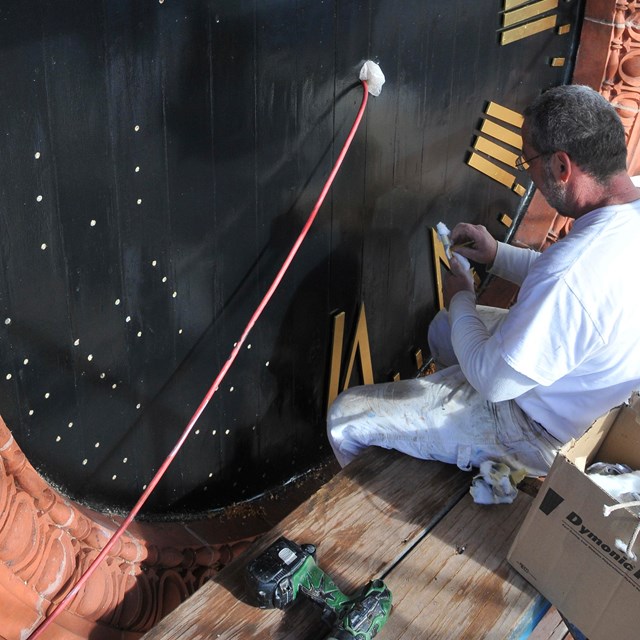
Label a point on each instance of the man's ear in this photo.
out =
(561, 166)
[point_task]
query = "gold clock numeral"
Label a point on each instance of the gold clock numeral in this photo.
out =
(439, 257)
(506, 220)
(360, 346)
(501, 142)
(506, 115)
(522, 20)
(529, 11)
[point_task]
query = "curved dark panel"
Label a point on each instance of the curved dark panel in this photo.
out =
(159, 159)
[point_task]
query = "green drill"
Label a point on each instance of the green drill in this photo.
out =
(285, 570)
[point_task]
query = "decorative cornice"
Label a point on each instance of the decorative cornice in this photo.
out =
(620, 74)
(47, 541)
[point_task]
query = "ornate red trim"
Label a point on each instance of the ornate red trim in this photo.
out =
(47, 541)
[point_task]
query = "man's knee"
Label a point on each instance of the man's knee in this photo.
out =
(335, 422)
(439, 339)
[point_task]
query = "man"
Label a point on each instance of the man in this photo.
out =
(518, 384)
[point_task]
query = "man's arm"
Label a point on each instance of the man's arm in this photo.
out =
(513, 263)
(506, 261)
(479, 355)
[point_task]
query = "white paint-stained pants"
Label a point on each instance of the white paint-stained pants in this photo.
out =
(439, 417)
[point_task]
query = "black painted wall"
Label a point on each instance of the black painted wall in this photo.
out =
(158, 160)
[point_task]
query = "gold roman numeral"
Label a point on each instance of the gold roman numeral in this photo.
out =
(359, 346)
(496, 149)
(522, 19)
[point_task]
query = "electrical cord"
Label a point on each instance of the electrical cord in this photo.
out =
(59, 608)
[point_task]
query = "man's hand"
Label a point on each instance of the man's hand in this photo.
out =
(458, 279)
(483, 248)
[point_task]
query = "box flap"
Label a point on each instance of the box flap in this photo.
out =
(566, 549)
(582, 451)
(622, 444)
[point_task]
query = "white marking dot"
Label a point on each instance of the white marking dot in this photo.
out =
(9, 376)
(139, 334)
(124, 460)
(144, 487)
(139, 201)
(197, 432)
(136, 128)
(25, 361)
(47, 395)
(37, 155)
(127, 319)
(154, 263)
(175, 294)
(84, 462)
(211, 475)
(117, 302)
(90, 357)
(58, 438)
(114, 476)
(7, 321)
(39, 199)
(43, 246)
(266, 364)
(70, 425)
(231, 389)
(164, 279)
(103, 375)
(179, 331)
(76, 343)
(137, 169)
(248, 346)
(138, 406)
(114, 385)
(213, 433)
(227, 432)
(31, 412)
(93, 223)
(96, 445)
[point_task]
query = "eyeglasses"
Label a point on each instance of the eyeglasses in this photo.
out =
(522, 163)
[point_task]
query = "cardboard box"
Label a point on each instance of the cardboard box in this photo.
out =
(566, 547)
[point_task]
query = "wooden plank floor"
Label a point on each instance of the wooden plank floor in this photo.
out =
(551, 627)
(457, 583)
(409, 521)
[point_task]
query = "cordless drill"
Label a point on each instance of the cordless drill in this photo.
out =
(285, 570)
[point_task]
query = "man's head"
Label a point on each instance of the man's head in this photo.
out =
(579, 121)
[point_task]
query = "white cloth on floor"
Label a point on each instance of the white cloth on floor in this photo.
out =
(495, 484)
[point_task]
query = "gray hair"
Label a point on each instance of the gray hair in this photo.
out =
(579, 121)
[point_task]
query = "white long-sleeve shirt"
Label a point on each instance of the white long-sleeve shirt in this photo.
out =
(569, 349)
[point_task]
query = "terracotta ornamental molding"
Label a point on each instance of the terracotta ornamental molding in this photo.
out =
(46, 542)
(609, 61)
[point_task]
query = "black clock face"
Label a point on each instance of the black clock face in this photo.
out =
(159, 161)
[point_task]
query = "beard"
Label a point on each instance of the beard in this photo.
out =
(554, 192)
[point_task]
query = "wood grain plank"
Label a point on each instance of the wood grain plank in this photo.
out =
(363, 521)
(551, 627)
(458, 579)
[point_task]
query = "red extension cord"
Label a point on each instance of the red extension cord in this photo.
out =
(214, 387)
